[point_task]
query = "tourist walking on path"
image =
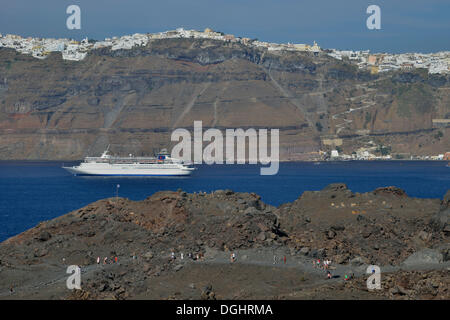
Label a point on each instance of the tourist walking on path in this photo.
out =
(318, 263)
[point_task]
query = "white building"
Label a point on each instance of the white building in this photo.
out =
(334, 154)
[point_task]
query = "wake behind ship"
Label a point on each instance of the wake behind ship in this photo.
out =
(107, 165)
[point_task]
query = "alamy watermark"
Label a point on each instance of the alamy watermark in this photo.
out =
(235, 140)
(74, 20)
(374, 280)
(374, 20)
(74, 280)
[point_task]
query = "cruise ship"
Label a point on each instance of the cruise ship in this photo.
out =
(107, 165)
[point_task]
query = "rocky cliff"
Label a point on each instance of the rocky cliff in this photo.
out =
(173, 244)
(132, 99)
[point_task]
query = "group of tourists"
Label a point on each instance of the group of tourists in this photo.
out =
(275, 259)
(107, 260)
(325, 264)
(197, 256)
(349, 277)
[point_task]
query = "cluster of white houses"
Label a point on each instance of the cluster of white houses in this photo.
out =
(438, 62)
(77, 50)
(70, 49)
(366, 154)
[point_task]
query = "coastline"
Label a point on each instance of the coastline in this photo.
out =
(281, 161)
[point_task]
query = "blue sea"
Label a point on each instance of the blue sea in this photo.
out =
(31, 192)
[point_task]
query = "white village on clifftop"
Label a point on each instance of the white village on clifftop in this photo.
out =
(77, 50)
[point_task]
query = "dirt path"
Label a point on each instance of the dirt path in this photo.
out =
(216, 116)
(292, 99)
(189, 106)
(54, 277)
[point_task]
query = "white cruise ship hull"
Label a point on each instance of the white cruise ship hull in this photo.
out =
(106, 169)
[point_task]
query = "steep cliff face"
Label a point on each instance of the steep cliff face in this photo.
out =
(133, 99)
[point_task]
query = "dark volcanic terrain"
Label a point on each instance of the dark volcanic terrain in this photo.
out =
(275, 248)
(132, 99)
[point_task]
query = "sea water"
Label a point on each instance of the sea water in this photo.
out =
(31, 192)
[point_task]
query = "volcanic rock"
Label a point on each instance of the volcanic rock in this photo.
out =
(207, 227)
(425, 256)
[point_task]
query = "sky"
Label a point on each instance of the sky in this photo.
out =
(406, 25)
